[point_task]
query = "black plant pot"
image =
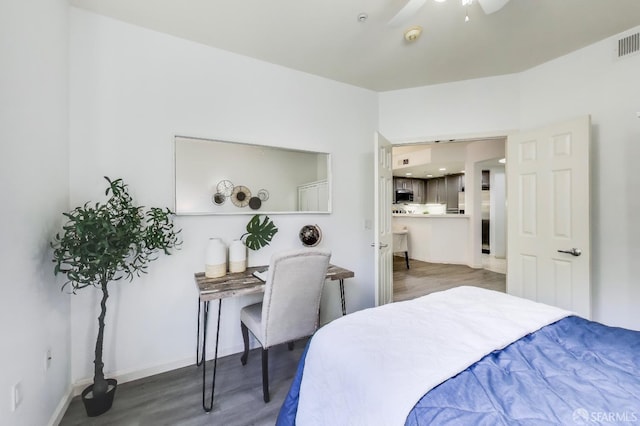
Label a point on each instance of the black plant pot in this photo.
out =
(96, 406)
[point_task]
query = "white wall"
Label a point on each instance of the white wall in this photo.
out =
(588, 81)
(34, 313)
(132, 90)
(469, 108)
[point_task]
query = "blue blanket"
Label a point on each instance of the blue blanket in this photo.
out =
(571, 372)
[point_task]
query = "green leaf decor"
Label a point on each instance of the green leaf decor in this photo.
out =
(259, 234)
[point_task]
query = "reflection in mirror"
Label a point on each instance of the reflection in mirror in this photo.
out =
(220, 177)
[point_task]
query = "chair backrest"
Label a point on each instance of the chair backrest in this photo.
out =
(292, 295)
(400, 234)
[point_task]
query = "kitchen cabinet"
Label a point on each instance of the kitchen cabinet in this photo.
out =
(444, 190)
(435, 190)
(401, 183)
(453, 186)
(413, 184)
(417, 185)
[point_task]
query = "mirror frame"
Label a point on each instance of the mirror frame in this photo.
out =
(247, 210)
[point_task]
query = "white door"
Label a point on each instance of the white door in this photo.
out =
(382, 229)
(548, 252)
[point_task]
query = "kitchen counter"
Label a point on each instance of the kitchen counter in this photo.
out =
(436, 238)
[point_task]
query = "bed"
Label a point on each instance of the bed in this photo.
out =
(466, 356)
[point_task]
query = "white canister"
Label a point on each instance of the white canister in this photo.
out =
(237, 256)
(215, 259)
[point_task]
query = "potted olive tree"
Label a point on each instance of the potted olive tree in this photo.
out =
(107, 242)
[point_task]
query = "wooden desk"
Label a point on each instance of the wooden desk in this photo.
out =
(230, 285)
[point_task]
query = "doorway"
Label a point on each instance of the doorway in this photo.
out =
(440, 253)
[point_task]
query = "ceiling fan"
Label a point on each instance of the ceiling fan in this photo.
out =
(412, 7)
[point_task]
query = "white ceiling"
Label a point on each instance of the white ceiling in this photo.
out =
(324, 37)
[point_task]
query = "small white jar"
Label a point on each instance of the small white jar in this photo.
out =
(237, 256)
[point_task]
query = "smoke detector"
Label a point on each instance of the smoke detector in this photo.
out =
(412, 33)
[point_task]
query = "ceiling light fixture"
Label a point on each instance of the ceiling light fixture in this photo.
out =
(412, 33)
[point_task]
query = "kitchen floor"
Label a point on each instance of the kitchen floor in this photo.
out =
(423, 278)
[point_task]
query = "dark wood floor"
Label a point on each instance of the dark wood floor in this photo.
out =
(174, 398)
(424, 278)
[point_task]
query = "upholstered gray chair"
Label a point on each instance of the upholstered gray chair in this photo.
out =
(290, 306)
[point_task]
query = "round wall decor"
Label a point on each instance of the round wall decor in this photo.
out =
(310, 235)
(218, 199)
(241, 196)
(225, 187)
(255, 203)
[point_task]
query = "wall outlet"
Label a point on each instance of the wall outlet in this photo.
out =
(47, 359)
(16, 396)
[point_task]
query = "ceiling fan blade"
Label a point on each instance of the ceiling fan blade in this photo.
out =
(406, 13)
(490, 6)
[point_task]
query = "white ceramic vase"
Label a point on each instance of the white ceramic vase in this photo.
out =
(237, 256)
(215, 259)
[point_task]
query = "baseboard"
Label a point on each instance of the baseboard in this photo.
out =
(131, 375)
(61, 409)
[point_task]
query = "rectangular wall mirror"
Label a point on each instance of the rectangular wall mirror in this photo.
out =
(222, 177)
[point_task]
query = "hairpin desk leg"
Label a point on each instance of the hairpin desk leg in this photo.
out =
(199, 359)
(343, 302)
(205, 316)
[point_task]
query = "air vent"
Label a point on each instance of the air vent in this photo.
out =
(628, 45)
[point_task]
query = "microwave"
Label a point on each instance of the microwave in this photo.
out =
(403, 196)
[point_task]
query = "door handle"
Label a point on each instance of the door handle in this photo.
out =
(382, 245)
(573, 251)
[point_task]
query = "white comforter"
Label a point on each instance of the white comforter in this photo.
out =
(371, 367)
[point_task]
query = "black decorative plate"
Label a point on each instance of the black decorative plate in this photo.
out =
(218, 199)
(255, 203)
(310, 235)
